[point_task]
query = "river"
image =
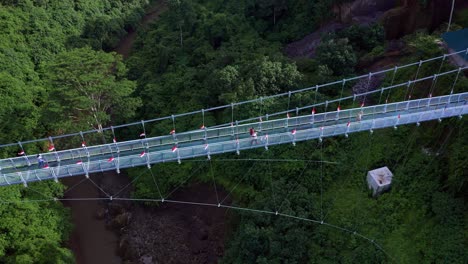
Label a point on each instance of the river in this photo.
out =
(91, 241)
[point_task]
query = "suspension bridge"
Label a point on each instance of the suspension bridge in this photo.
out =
(271, 129)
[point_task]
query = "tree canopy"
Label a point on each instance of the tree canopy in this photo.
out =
(59, 75)
(88, 89)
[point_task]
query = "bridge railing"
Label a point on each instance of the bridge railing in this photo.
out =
(259, 100)
(191, 144)
(202, 136)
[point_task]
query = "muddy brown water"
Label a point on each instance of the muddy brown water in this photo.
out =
(90, 241)
(168, 233)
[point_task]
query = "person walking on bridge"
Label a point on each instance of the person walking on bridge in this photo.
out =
(40, 161)
(253, 135)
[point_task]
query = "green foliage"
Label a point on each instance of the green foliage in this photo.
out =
(32, 231)
(337, 55)
(461, 18)
(209, 52)
(425, 45)
(32, 34)
(88, 89)
(373, 55)
(219, 55)
(106, 21)
(364, 37)
(18, 111)
(458, 164)
(213, 58)
(260, 77)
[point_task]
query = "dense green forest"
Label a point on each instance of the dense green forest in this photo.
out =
(58, 74)
(48, 51)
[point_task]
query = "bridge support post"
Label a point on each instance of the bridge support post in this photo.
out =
(23, 180)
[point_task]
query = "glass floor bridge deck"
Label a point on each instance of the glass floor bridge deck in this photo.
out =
(211, 141)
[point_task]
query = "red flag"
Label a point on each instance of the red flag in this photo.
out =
(142, 154)
(110, 159)
(399, 116)
(293, 132)
(338, 108)
(46, 166)
(21, 153)
(79, 162)
(313, 111)
(172, 131)
(114, 140)
(142, 134)
(349, 123)
(83, 144)
(202, 127)
(51, 147)
(287, 115)
(362, 104)
(174, 148)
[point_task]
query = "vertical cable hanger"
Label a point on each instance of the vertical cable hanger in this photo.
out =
(205, 135)
(287, 110)
(264, 138)
(232, 120)
(261, 114)
(203, 119)
(145, 145)
(237, 138)
(395, 69)
(367, 89)
(23, 153)
(338, 109)
(112, 158)
(358, 117)
(85, 148)
(173, 131)
(312, 120)
(294, 131)
(414, 83)
(175, 147)
(434, 81)
(455, 81)
(235, 131)
(52, 148)
(407, 93)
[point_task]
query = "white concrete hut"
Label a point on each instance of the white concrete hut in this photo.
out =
(379, 180)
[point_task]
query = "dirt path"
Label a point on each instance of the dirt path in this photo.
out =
(125, 45)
